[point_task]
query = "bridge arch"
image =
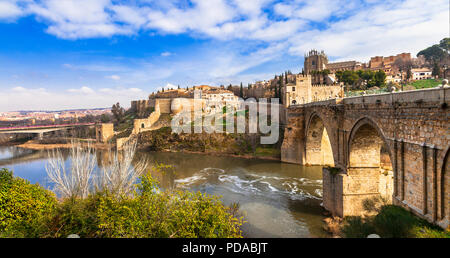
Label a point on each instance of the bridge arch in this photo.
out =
(370, 159)
(318, 147)
(445, 191)
(367, 145)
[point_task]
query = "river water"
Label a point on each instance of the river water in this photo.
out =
(276, 199)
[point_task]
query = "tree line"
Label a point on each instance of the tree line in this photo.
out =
(362, 79)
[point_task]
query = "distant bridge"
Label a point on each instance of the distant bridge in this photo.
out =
(40, 129)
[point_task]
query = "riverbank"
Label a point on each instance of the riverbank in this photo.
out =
(220, 154)
(35, 145)
(220, 144)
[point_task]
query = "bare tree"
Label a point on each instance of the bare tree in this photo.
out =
(117, 176)
(73, 182)
(120, 173)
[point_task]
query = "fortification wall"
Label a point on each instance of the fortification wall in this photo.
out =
(145, 123)
(324, 92)
(164, 105)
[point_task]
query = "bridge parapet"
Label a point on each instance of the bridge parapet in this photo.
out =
(424, 95)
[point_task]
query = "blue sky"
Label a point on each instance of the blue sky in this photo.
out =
(58, 54)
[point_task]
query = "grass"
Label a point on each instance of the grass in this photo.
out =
(267, 152)
(392, 222)
(424, 84)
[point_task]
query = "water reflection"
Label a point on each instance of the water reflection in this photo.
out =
(277, 199)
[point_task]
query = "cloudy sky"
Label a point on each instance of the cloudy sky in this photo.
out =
(57, 54)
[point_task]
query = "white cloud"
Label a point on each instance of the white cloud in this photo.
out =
(168, 86)
(9, 9)
(74, 19)
(44, 99)
(82, 90)
(383, 30)
(243, 36)
(265, 20)
(113, 77)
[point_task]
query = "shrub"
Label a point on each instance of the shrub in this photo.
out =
(23, 206)
(154, 213)
(394, 221)
(391, 222)
(355, 227)
(29, 211)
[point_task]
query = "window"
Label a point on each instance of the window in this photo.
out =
(293, 88)
(142, 125)
(294, 102)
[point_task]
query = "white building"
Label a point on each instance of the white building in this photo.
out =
(421, 74)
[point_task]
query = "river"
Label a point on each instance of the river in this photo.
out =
(277, 199)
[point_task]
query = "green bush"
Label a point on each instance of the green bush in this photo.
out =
(392, 222)
(29, 211)
(155, 213)
(355, 227)
(23, 206)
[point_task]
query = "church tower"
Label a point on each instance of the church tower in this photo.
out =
(315, 61)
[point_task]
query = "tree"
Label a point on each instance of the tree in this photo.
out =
(241, 91)
(104, 118)
(379, 78)
(347, 77)
(408, 74)
(433, 54)
(118, 112)
(276, 89)
(445, 44)
(403, 65)
(280, 92)
(436, 70)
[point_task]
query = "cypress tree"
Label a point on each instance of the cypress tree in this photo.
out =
(241, 91)
(280, 93)
(436, 70)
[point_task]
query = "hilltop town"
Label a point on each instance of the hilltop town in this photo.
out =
(319, 80)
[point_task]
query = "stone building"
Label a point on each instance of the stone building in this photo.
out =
(318, 61)
(300, 90)
(104, 132)
(387, 64)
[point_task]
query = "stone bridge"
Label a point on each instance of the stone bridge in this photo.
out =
(393, 145)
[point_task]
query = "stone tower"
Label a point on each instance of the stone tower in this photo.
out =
(315, 61)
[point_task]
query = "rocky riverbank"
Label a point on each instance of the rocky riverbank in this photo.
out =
(235, 145)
